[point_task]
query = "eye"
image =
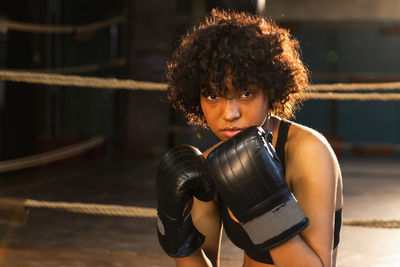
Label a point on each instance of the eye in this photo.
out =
(212, 97)
(247, 94)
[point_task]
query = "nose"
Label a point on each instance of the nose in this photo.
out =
(231, 110)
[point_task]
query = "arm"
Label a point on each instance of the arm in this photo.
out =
(312, 173)
(207, 220)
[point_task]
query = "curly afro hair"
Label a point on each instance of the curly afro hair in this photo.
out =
(256, 50)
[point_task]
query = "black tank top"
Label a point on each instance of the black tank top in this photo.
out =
(235, 231)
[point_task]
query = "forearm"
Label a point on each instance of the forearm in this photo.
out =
(295, 252)
(206, 219)
(197, 259)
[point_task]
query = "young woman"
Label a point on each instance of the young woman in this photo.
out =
(232, 72)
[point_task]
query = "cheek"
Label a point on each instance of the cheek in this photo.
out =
(260, 113)
(264, 105)
(211, 118)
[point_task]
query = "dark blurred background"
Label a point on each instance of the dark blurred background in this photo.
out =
(342, 41)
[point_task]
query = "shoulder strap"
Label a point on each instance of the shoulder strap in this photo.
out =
(284, 126)
(338, 224)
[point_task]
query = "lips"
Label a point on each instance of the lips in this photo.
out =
(230, 132)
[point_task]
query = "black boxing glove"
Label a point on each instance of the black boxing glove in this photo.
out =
(182, 174)
(248, 177)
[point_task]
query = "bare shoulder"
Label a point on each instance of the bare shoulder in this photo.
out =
(303, 140)
(310, 158)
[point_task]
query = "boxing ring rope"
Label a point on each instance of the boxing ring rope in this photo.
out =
(78, 81)
(51, 156)
(142, 212)
(356, 86)
(6, 25)
(119, 62)
(14, 211)
(112, 83)
(354, 96)
(95, 209)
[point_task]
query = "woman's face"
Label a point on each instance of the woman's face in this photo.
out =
(229, 114)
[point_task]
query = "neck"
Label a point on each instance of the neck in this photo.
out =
(272, 124)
